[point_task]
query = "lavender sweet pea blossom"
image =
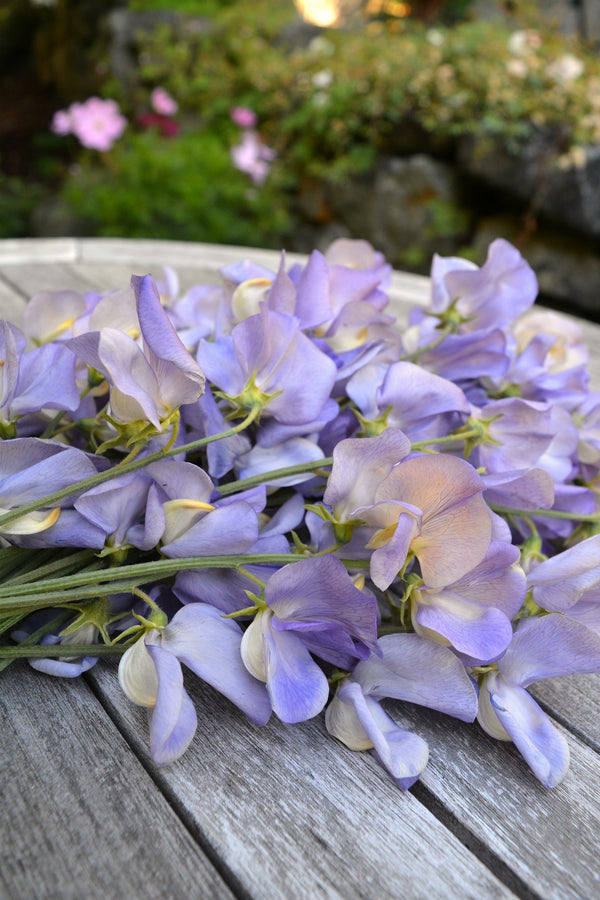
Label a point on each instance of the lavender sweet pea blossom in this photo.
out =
(411, 668)
(561, 582)
(311, 606)
(150, 675)
(148, 383)
(267, 360)
(489, 297)
(408, 397)
(31, 468)
(24, 383)
(430, 506)
(473, 614)
(542, 647)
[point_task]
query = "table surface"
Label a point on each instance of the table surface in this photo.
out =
(280, 811)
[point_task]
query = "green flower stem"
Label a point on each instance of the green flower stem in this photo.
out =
(448, 439)
(37, 635)
(244, 483)
(15, 559)
(117, 470)
(123, 578)
(10, 621)
(548, 513)
(65, 565)
(54, 650)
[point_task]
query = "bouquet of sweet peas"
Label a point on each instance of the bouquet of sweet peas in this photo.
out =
(268, 482)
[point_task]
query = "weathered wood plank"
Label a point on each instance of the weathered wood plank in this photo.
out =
(80, 817)
(551, 838)
(12, 303)
(575, 701)
(28, 280)
(294, 814)
(22, 251)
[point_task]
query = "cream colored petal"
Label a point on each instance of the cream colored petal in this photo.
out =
(252, 648)
(180, 515)
(486, 716)
(32, 523)
(342, 723)
(137, 675)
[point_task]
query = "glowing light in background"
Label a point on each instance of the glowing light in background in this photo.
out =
(327, 13)
(319, 12)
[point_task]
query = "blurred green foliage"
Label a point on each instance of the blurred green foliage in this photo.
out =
(180, 189)
(329, 102)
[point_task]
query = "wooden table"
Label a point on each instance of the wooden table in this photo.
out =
(281, 811)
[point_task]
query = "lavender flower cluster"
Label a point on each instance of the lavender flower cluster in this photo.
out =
(268, 483)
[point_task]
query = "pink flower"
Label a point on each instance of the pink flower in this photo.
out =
(244, 117)
(163, 103)
(252, 156)
(62, 122)
(96, 123)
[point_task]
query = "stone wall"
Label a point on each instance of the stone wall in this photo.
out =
(411, 206)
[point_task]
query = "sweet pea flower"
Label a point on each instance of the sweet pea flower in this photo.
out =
(429, 506)
(150, 674)
(268, 361)
(473, 613)
(148, 383)
(24, 383)
(405, 396)
(561, 582)
(488, 297)
(413, 669)
(310, 607)
(31, 468)
(542, 647)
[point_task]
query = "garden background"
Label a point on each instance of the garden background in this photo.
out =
(423, 127)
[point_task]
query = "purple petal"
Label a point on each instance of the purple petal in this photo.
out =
(221, 365)
(222, 531)
(30, 468)
(548, 646)
(543, 747)
(297, 687)
(181, 379)
(402, 753)
(125, 367)
(387, 560)
(36, 390)
(562, 580)
(319, 590)
(173, 719)
(209, 645)
(421, 671)
(481, 632)
(359, 465)
(61, 668)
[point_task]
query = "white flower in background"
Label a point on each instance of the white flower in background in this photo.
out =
(518, 68)
(565, 69)
(322, 79)
(320, 46)
(522, 42)
(435, 37)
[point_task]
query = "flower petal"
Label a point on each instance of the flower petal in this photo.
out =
(209, 645)
(173, 720)
(543, 747)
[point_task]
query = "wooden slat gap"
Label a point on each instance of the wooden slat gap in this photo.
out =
(186, 819)
(473, 844)
(556, 716)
